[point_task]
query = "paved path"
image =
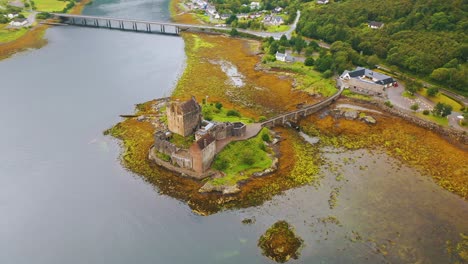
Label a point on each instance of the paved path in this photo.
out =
(251, 131)
(395, 96)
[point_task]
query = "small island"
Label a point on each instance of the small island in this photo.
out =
(193, 146)
(280, 243)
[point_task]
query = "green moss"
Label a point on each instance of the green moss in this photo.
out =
(350, 94)
(306, 170)
(210, 112)
(182, 142)
(240, 159)
(163, 156)
(280, 243)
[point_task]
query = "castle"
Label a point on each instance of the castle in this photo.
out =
(185, 119)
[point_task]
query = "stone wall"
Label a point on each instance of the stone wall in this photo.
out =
(162, 145)
(239, 129)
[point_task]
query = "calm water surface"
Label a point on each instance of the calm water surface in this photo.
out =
(64, 197)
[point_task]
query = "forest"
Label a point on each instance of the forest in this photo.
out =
(425, 37)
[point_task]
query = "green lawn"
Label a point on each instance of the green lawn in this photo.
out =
(245, 157)
(348, 93)
(307, 78)
(443, 121)
(210, 112)
(440, 98)
(50, 5)
(280, 28)
(7, 35)
(182, 142)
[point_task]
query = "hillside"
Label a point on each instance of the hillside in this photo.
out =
(424, 37)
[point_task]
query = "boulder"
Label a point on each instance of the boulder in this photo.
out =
(369, 120)
(351, 114)
(225, 189)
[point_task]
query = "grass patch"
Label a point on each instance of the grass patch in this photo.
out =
(203, 18)
(50, 5)
(244, 157)
(280, 28)
(308, 79)
(182, 142)
(443, 121)
(441, 98)
(210, 112)
(11, 34)
(408, 95)
(348, 93)
(200, 43)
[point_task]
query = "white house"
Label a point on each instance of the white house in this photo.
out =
(284, 57)
(19, 22)
(254, 5)
(277, 10)
(11, 16)
(322, 2)
(375, 25)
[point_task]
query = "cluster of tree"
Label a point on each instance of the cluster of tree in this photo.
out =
(70, 5)
(296, 43)
(428, 38)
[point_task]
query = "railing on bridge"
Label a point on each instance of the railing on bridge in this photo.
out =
(303, 112)
(133, 24)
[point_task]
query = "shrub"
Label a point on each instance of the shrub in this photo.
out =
(262, 119)
(248, 157)
(389, 104)
(233, 113)
(218, 105)
(327, 74)
(414, 107)
(309, 61)
(426, 112)
(432, 91)
(266, 137)
(221, 164)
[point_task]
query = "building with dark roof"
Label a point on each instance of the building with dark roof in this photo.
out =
(375, 24)
(184, 117)
(365, 81)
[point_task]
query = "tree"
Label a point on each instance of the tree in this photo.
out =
(442, 110)
(414, 107)
(234, 32)
(309, 61)
(324, 63)
(432, 91)
(231, 19)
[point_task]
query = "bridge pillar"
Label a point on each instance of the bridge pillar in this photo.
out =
(163, 29)
(121, 25)
(96, 23)
(108, 23)
(73, 20)
(84, 21)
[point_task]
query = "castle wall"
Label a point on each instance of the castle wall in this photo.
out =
(365, 87)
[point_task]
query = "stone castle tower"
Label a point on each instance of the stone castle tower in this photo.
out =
(184, 118)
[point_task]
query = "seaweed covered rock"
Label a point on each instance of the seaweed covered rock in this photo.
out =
(280, 243)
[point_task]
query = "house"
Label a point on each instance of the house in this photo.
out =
(273, 20)
(11, 16)
(184, 118)
(19, 22)
(365, 81)
(375, 25)
(322, 2)
(255, 15)
(211, 10)
(277, 10)
(254, 5)
(284, 57)
(203, 152)
(242, 16)
(224, 16)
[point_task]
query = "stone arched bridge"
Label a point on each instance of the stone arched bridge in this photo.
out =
(303, 112)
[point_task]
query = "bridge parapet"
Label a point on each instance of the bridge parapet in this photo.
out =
(303, 112)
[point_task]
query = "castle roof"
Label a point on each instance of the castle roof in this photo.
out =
(189, 106)
(205, 141)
